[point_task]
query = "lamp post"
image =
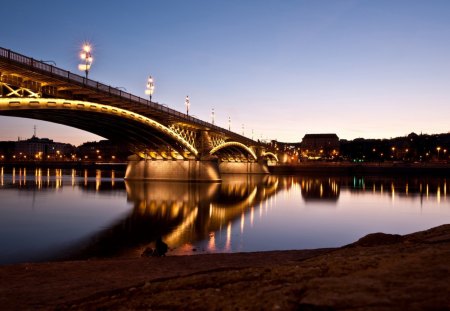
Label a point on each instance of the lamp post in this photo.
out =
(86, 56)
(187, 102)
(438, 150)
(150, 87)
(229, 123)
(212, 117)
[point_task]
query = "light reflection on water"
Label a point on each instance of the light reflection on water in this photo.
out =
(50, 214)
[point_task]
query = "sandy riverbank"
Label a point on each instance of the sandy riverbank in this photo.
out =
(379, 272)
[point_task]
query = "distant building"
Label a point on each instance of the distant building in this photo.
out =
(42, 149)
(320, 146)
(104, 150)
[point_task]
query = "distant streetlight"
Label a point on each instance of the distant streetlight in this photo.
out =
(438, 150)
(242, 129)
(229, 123)
(86, 56)
(150, 87)
(212, 116)
(187, 102)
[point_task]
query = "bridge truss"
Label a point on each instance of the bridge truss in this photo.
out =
(34, 89)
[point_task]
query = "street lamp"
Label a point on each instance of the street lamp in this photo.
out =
(187, 102)
(438, 150)
(86, 56)
(150, 87)
(229, 123)
(212, 116)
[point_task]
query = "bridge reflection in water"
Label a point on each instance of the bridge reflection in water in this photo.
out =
(182, 214)
(186, 214)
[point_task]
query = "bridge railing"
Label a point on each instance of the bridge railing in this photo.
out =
(75, 78)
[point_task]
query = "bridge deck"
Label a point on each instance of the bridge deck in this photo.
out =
(72, 86)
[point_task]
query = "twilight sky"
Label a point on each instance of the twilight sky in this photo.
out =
(373, 69)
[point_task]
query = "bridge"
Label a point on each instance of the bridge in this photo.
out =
(167, 144)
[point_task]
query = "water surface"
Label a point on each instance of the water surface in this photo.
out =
(50, 214)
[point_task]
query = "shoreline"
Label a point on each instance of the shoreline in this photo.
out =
(378, 272)
(66, 165)
(432, 168)
(368, 168)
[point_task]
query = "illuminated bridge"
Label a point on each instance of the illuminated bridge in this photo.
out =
(154, 133)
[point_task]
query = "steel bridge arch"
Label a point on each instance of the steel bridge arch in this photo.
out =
(234, 144)
(270, 154)
(21, 103)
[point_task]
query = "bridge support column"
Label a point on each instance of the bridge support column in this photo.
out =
(243, 168)
(173, 170)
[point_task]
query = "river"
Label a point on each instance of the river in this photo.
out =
(60, 214)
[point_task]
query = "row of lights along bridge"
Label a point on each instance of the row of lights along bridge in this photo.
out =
(88, 59)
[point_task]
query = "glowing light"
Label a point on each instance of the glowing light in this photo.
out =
(87, 58)
(212, 242)
(150, 87)
(228, 241)
(393, 191)
(438, 194)
(98, 179)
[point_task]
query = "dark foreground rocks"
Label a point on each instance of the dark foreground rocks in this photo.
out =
(378, 272)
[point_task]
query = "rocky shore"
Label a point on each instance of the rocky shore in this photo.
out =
(378, 272)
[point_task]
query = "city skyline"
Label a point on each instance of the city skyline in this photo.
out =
(280, 70)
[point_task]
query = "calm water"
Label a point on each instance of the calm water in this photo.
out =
(48, 214)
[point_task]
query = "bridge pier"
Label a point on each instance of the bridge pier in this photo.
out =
(243, 168)
(189, 170)
(173, 170)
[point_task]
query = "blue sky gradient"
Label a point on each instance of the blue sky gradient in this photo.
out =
(373, 69)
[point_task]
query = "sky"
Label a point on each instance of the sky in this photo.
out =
(278, 69)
